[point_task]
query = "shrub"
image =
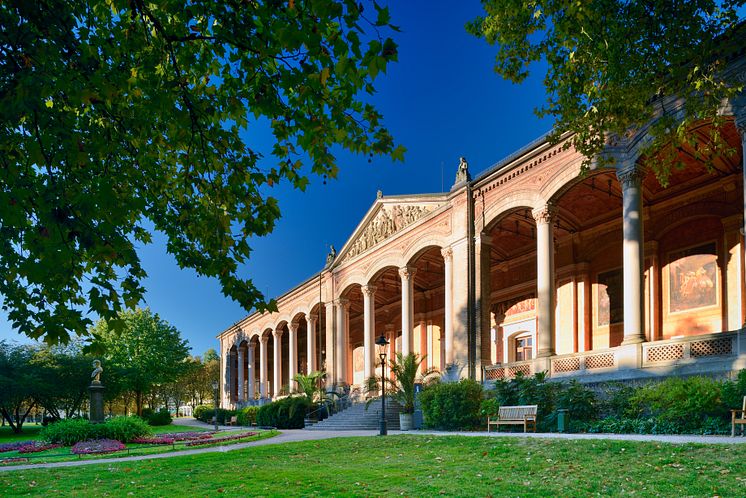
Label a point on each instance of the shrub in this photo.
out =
(732, 392)
(161, 417)
(489, 407)
(125, 428)
(287, 413)
(683, 403)
(205, 413)
(69, 431)
(247, 416)
(452, 405)
(578, 400)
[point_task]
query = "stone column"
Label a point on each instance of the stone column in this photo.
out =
(407, 308)
(545, 291)
(391, 334)
(277, 365)
(311, 343)
(241, 379)
(330, 359)
(340, 352)
(423, 345)
(369, 329)
(447, 254)
(292, 354)
(632, 254)
(263, 340)
(252, 388)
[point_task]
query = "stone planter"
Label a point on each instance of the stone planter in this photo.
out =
(406, 421)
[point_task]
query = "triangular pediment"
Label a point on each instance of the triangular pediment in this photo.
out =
(387, 217)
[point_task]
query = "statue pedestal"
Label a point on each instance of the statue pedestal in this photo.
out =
(96, 409)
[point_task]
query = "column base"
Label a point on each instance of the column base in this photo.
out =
(629, 355)
(633, 339)
(542, 364)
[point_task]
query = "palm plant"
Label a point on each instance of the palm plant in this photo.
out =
(406, 370)
(311, 385)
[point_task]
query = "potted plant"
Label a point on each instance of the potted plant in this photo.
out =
(406, 371)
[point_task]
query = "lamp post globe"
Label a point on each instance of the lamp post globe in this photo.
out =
(381, 342)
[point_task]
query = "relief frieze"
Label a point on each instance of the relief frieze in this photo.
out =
(387, 222)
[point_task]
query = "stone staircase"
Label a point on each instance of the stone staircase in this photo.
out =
(356, 417)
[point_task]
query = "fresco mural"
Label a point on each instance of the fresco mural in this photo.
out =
(693, 278)
(610, 299)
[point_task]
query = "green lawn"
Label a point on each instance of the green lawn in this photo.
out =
(411, 465)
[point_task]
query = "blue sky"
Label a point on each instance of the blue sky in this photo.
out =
(441, 100)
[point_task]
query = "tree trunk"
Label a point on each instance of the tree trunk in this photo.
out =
(138, 403)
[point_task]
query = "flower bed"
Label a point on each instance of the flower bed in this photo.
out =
(14, 460)
(97, 446)
(221, 439)
(172, 437)
(35, 447)
(5, 447)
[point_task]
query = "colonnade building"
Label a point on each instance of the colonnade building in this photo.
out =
(528, 267)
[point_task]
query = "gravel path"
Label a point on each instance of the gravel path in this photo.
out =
(287, 436)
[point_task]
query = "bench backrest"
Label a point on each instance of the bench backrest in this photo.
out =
(517, 412)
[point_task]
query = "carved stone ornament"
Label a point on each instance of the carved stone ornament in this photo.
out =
(277, 333)
(386, 223)
(368, 290)
(447, 253)
(407, 272)
(630, 178)
(544, 214)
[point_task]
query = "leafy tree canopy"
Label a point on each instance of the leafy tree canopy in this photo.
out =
(147, 352)
(124, 116)
(614, 65)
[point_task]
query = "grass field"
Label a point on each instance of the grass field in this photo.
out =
(413, 466)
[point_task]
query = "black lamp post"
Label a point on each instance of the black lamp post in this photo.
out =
(215, 386)
(382, 343)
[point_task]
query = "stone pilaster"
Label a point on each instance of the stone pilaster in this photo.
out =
(407, 308)
(369, 329)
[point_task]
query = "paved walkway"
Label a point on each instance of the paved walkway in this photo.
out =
(293, 435)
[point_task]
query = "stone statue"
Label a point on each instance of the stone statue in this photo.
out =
(462, 175)
(96, 374)
(379, 194)
(332, 254)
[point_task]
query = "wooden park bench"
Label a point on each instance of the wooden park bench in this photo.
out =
(738, 417)
(232, 421)
(515, 415)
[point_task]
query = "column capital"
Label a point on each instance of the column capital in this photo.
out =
(342, 302)
(264, 340)
(293, 326)
(368, 290)
(407, 272)
(630, 177)
(447, 253)
(277, 333)
(544, 214)
(310, 317)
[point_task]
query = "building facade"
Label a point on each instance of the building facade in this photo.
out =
(528, 267)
